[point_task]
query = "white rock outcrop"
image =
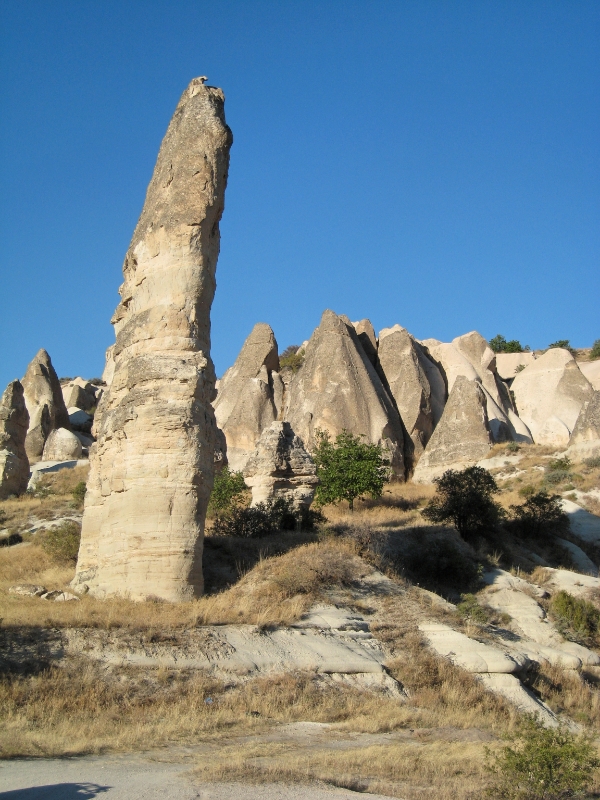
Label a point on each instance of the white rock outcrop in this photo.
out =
(151, 469)
(14, 421)
(45, 404)
(549, 396)
(338, 388)
(62, 445)
(585, 439)
(591, 370)
(250, 395)
(281, 467)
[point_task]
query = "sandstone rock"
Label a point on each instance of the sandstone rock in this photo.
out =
(338, 388)
(507, 364)
(27, 590)
(62, 445)
(414, 382)
(281, 467)
(468, 653)
(366, 336)
(585, 439)
(80, 420)
(14, 420)
(462, 436)
(220, 452)
(591, 370)
(250, 395)
(45, 403)
(549, 395)
(151, 469)
(109, 366)
(79, 393)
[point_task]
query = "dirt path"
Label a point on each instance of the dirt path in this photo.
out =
(135, 777)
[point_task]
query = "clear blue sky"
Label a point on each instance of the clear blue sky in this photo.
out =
(431, 163)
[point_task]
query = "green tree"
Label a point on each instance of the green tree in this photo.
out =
(292, 358)
(228, 490)
(500, 345)
(348, 468)
(542, 763)
(541, 514)
(62, 542)
(595, 351)
(565, 345)
(465, 499)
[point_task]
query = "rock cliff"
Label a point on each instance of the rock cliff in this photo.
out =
(152, 466)
(14, 421)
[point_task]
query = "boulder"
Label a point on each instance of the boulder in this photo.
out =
(14, 420)
(152, 466)
(337, 388)
(366, 336)
(80, 393)
(62, 445)
(508, 364)
(45, 403)
(414, 382)
(462, 436)
(585, 439)
(281, 467)
(250, 395)
(549, 396)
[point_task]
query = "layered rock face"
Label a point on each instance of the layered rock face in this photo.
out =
(549, 395)
(152, 466)
(281, 467)
(415, 383)
(14, 421)
(585, 439)
(338, 388)
(45, 404)
(250, 395)
(462, 436)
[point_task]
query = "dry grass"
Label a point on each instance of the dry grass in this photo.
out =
(565, 691)
(53, 499)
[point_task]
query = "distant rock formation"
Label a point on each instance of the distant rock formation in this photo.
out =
(366, 336)
(45, 404)
(250, 395)
(80, 393)
(152, 465)
(14, 421)
(585, 439)
(281, 467)
(549, 395)
(415, 383)
(462, 436)
(62, 445)
(509, 365)
(338, 388)
(591, 370)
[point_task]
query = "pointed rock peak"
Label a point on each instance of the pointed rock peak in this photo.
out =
(259, 349)
(366, 336)
(388, 331)
(476, 349)
(330, 321)
(14, 420)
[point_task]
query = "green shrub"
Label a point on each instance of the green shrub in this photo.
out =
(513, 447)
(348, 468)
(228, 491)
(593, 462)
(563, 464)
(79, 493)
(469, 609)
(465, 499)
(292, 358)
(440, 566)
(500, 345)
(542, 763)
(62, 542)
(565, 345)
(265, 519)
(595, 351)
(576, 618)
(519, 368)
(540, 515)
(527, 490)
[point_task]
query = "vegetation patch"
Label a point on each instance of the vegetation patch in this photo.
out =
(577, 619)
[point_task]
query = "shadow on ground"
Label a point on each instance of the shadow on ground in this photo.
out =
(57, 791)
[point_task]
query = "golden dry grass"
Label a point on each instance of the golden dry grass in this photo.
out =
(54, 498)
(568, 692)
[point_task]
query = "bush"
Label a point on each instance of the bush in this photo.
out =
(465, 499)
(593, 462)
(500, 345)
(469, 608)
(595, 351)
(513, 447)
(563, 464)
(265, 519)
(565, 345)
(62, 543)
(79, 493)
(292, 358)
(348, 468)
(542, 763)
(527, 490)
(228, 491)
(541, 514)
(576, 618)
(441, 565)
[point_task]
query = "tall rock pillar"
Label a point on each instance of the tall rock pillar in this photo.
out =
(152, 465)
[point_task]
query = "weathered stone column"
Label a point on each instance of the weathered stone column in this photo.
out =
(152, 466)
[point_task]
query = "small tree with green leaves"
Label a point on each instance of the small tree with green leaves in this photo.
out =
(540, 515)
(500, 345)
(292, 358)
(348, 468)
(541, 763)
(565, 344)
(595, 351)
(465, 499)
(228, 491)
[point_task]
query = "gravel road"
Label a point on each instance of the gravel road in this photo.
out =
(135, 777)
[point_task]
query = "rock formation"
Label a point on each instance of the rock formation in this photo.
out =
(585, 439)
(82, 394)
(591, 370)
(250, 395)
(366, 336)
(338, 388)
(281, 467)
(462, 436)
(414, 382)
(45, 404)
(14, 421)
(152, 465)
(62, 445)
(549, 395)
(509, 365)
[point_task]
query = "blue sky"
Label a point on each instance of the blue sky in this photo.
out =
(429, 163)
